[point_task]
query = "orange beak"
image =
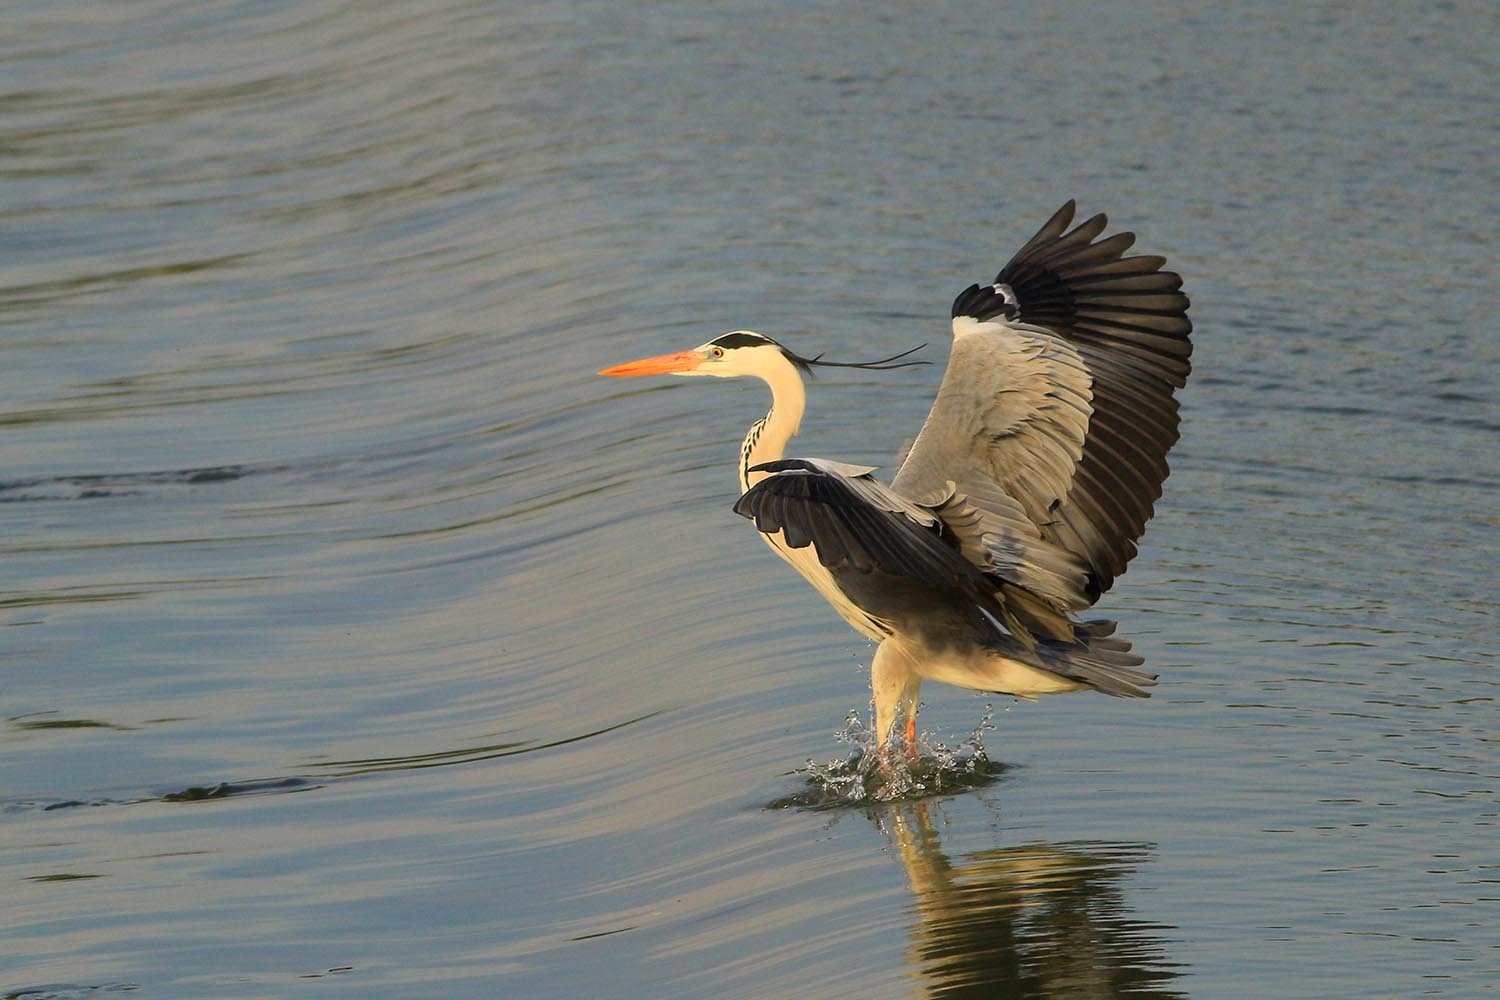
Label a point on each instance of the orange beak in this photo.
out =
(662, 364)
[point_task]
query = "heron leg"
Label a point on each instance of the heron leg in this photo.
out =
(895, 686)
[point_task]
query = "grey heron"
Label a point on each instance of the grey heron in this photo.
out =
(1021, 499)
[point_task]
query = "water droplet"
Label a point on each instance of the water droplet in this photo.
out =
(867, 775)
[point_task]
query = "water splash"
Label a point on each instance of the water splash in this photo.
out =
(868, 775)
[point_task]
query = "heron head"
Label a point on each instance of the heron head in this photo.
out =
(732, 355)
(740, 353)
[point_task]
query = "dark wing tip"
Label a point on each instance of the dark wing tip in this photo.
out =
(1128, 319)
(985, 302)
(1084, 288)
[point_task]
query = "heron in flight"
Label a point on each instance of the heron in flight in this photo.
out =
(1021, 499)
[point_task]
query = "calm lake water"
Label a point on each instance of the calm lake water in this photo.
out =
(359, 641)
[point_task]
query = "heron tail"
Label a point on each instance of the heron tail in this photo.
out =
(1099, 659)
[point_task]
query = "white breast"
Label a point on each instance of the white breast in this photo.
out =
(805, 560)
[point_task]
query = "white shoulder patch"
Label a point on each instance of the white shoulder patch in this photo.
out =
(965, 326)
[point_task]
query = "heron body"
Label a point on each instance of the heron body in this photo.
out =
(1022, 497)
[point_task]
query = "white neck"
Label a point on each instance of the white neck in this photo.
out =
(766, 441)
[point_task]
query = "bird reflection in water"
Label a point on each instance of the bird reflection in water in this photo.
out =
(1035, 920)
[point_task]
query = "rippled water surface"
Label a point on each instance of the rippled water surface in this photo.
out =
(359, 640)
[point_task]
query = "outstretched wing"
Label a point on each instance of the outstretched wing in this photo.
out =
(943, 544)
(1059, 393)
(853, 523)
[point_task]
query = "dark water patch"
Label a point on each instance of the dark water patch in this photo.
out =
(192, 793)
(95, 486)
(226, 789)
(465, 755)
(42, 292)
(337, 770)
(31, 722)
(61, 877)
(337, 970)
(48, 719)
(67, 991)
(40, 600)
(23, 805)
(219, 475)
(600, 934)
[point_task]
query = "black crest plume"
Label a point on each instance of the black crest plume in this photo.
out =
(883, 365)
(747, 338)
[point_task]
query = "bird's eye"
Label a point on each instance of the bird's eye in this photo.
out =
(717, 352)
